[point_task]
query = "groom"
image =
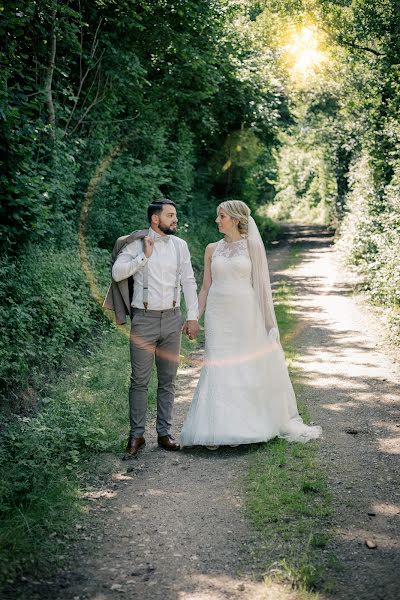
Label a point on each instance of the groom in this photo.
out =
(160, 264)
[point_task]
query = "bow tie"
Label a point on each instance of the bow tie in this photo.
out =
(162, 238)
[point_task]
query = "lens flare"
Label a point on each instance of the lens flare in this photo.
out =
(86, 206)
(304, 52)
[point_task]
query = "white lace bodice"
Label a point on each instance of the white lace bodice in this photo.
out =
(231, 263)
(230, 249)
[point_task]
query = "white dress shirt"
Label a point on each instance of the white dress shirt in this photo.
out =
(162, 266)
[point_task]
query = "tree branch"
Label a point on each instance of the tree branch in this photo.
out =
(343, 42)
(86, 74)
(358, 47)
(81, 44)
(96, 75)
(96, 100)
(112, 120)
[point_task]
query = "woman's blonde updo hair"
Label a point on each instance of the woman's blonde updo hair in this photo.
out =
(237, 209)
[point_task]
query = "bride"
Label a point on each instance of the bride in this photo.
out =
(244, 394)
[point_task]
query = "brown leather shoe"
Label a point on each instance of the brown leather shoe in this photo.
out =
(134, 445)
(167, 442)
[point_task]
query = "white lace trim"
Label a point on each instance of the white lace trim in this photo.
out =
(230, 249)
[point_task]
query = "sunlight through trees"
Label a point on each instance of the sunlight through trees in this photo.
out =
(304, 52)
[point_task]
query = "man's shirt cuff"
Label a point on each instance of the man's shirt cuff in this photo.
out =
(192, 316)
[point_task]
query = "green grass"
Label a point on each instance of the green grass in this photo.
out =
(288, 501)
(287, 496)
(47, 458)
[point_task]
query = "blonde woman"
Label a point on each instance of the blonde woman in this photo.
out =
(244, 394)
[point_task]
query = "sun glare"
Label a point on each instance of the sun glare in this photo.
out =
(303, 52)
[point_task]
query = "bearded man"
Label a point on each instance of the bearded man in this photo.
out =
(160, 265)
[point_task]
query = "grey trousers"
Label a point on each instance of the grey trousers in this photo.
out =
(156, 334)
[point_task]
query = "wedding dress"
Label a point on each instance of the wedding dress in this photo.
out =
(244, 394)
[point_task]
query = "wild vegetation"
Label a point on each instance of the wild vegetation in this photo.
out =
(288, 105)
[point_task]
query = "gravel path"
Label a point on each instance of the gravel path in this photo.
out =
(354, 391)
(172, 526)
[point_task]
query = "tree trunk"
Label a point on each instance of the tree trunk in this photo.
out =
(51, 118)
(342, 184)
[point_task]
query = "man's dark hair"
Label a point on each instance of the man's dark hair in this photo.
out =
(156, 207)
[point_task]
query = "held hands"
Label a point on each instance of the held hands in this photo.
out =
(148, 246)
(191, 329)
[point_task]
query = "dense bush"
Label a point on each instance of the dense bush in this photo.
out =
(370, 235)
(304, 183)
(46, 307)
(44, 454)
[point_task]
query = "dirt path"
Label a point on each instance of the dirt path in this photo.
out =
(172, 526)
(354, 392)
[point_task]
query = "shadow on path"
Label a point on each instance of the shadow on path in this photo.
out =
(352, 390)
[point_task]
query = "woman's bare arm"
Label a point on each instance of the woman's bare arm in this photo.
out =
(207, 279)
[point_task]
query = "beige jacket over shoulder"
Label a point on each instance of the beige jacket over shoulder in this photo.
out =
(119, 295)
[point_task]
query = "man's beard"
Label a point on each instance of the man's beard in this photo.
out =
(167, 230)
